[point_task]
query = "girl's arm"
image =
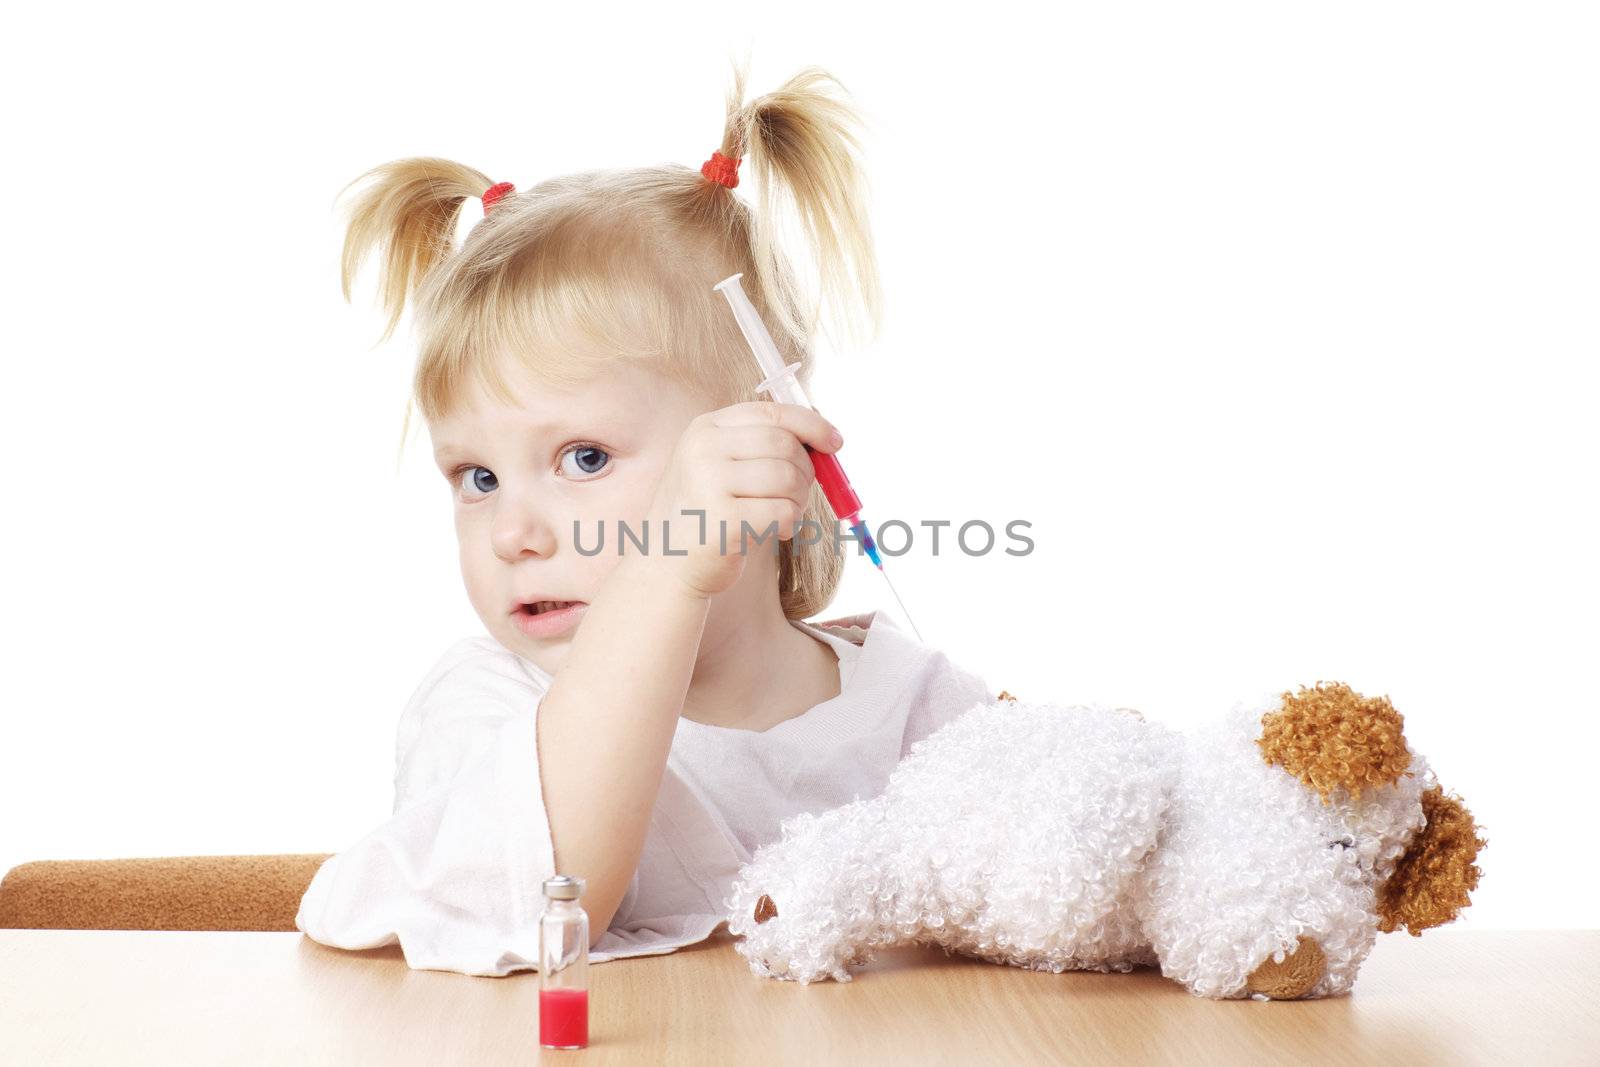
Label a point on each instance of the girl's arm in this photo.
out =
(607, 722)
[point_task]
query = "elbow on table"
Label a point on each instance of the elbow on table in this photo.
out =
(598, 924)
(605, 901)
(602, 909)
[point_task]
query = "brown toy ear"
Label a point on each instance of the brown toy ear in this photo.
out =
(1429, 884)
(765, 909)
(1332, 736)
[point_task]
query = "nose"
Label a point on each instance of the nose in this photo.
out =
(521, 527)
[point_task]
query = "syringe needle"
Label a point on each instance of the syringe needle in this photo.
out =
(780, 382)
(902, 604)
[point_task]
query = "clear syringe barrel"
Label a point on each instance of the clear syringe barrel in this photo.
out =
(780, 381)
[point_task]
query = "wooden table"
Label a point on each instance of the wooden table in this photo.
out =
(133, 997)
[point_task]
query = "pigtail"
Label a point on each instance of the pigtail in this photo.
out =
(408, 210)
(801, 146)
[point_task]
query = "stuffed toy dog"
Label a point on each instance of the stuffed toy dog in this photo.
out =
(1258, 856)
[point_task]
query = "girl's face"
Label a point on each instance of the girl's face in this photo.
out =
(522, 476)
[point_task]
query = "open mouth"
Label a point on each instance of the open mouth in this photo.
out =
(544, 620)
(544, 606)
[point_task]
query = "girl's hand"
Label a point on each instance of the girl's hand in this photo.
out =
(745, 463)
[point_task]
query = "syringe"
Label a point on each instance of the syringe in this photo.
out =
(781, 383)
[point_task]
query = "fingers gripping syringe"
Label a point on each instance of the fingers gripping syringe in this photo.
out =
(780, 382)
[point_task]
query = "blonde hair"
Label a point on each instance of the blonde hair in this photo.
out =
(562, 278)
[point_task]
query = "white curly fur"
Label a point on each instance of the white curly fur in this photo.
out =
(1083, 837)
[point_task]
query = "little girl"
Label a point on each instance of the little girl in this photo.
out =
(647, 715)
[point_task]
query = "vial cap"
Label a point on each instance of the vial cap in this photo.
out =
(563, 887)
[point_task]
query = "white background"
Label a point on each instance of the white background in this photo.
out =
(1277, 323)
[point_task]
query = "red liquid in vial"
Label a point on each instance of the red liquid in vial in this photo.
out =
(564, 1017)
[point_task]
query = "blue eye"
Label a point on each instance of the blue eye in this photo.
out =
(587, 461)
(580, 462)
(481, 479)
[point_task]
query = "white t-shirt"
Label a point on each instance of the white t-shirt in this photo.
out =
(455, 874)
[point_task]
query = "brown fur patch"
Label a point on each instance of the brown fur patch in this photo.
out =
(1331, 736)
(1430, 883)
(1005, 696)
(1295, 976)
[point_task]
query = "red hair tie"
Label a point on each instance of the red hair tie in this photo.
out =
(494, 193)
(722, 170)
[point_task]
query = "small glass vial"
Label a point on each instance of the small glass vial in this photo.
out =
(563, 965)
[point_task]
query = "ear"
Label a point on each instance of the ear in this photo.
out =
(1429, 884)
(1332, 736)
